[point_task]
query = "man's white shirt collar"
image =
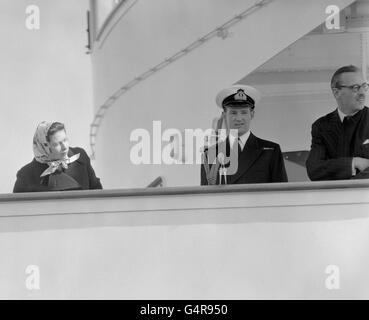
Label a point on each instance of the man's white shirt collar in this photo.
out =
(343, 115)
(243, 139)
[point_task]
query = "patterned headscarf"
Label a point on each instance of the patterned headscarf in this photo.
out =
(42, 150)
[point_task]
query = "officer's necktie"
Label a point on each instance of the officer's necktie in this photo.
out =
(239, 146)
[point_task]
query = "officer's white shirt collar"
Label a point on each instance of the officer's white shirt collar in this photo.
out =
(343, 115)
(243, 139)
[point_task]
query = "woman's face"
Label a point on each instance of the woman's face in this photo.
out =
(59, 145)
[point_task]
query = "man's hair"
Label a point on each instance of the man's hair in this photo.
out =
(252, 107)
(335, 81)
(55, 127)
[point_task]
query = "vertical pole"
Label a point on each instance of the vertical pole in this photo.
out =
(364, 54)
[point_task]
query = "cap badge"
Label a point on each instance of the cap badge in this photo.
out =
(240, 95)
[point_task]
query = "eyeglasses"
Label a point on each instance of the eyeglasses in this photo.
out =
(356, 87)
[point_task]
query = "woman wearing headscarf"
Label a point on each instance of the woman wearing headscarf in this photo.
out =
(56, 166)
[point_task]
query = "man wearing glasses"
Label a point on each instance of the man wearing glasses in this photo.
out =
(340, 139)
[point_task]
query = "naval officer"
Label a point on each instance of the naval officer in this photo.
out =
(241, 157)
